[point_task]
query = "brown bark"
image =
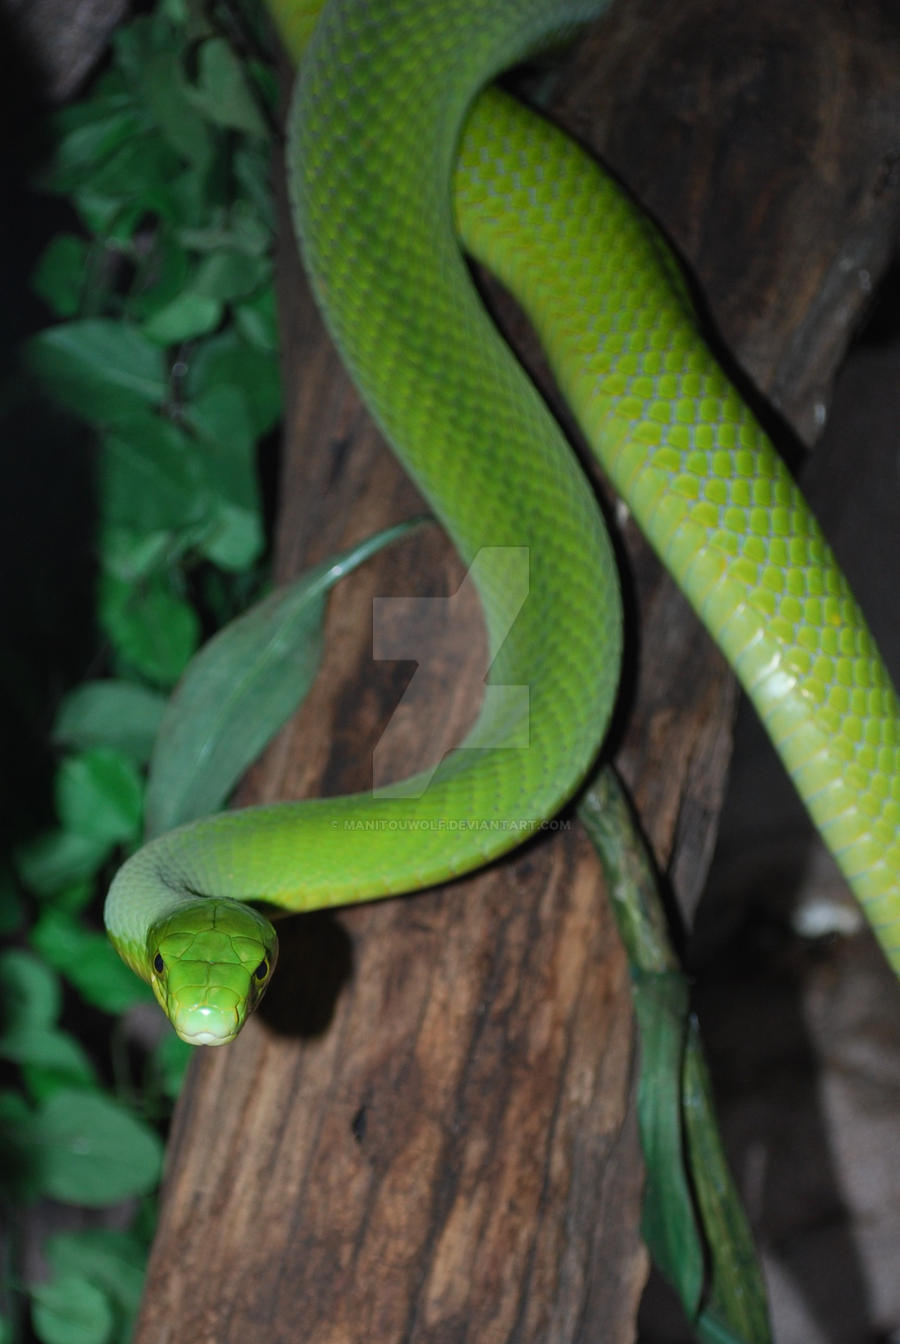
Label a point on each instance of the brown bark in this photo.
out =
(428, 1134)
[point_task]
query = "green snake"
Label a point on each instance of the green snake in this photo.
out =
(397, 149)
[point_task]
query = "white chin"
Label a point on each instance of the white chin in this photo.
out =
(205, 1038)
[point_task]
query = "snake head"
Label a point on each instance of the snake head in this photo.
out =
(210, 963)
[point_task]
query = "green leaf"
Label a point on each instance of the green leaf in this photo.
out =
(151, 478)
(222, 92)
(253, 172)
(75, 896)
(99, 369)
(693, 1222)
(19, 1165)
(235, 540)
(244, 230)
(669, 1222)
(119, 714)
(183, 319)
(150, 56)
(226, 361)
(89, 131)
(670, 1226)
(239, 690)
(29, 992)
(88, 960)
(133, 556)
(161, 276)
(735, 1310)
(219, 279)
(92, 1150)
(231, 275)
(59, 859)
(257, 320)
(59, 276)
(112, 1260)
(98, 794)
(140, 178)
(224, 418)
(151, 628)
(51, 1059)
(70, 1310)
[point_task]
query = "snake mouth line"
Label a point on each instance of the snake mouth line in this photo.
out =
(206, 1038)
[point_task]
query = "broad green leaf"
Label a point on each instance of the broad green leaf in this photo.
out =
(228, 361)
(238, 692)
(235, 539)
(153, 629)
(245, 229)
(112, 1260)
(186, 317)
(70, 1310)
(108, 216)
(88, 960)
(178, 121)
(59, 277)
(151, 58)
(75, 896)
(161, 275)
(88, 132)
(59, 859)
(222, 92)
(231, 275)
(98, 794)
(29, 993)
(151, 478)
(224, 417)
(99, 369)
(19, 1164)
(119, 714)
(93, 1151)
(257, 321)
(137, 179)
(253, 171)
(50, 1058)
(133, 556)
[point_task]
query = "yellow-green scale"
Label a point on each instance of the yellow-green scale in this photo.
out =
(699, 475)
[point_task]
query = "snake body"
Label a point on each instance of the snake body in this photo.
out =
(382, 126)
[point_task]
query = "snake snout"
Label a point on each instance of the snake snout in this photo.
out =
(202, 1024)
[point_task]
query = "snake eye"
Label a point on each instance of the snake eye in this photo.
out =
(262, 970)
(158, 964)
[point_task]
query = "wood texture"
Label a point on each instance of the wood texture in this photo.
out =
(428, 1134)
